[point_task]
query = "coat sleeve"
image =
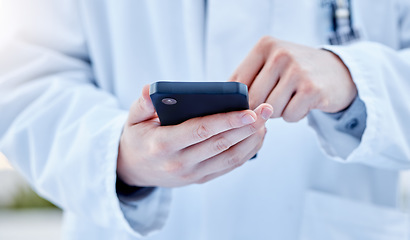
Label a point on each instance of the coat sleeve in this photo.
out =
(382, 76)
(57, 127)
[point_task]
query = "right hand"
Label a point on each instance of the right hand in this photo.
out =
(195, 151)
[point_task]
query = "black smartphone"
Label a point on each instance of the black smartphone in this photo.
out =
(176, 102)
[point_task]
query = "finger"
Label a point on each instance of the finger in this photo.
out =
(266, 80)
(200, 129)
(250, 67)
(231, 159)
(142, 109)
(212, 176)
(281, 94)
(298, 107)
(225, 140)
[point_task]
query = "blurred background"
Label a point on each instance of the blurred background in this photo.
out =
(23, 214)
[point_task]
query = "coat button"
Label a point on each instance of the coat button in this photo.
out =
(352, 124)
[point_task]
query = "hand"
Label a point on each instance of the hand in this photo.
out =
(295, 79)
(194, 151)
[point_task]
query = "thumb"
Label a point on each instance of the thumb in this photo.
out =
(142, 109)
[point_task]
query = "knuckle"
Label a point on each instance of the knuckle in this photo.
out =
(160, 148)
(189, 177)
(295, 71)
(155, 149)
(272, 63)
(296, 74)
(201, 132)
(201, 181)
(174, 167)
(308, 88)
(204, 180)
(284, 56)
(265, 43)
(283, 53)
(323, 103)
(233, 161)
(252, 128)
(280, 57)
(230, 122)
(222, 144)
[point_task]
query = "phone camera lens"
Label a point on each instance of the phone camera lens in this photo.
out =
(169, 101)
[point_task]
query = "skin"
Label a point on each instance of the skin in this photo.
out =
(195, 151)
(284, 80)
(295, 79)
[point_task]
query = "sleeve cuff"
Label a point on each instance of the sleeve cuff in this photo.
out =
(131, 193)
(148, 213)
(352, 120)
(140, 213)
(342, 135)
(380, 144)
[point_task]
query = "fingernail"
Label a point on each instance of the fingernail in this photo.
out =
(248, 119)
(266, 113)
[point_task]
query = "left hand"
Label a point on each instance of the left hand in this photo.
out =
(295, 79)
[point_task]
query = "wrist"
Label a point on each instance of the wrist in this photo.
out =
(345, 90)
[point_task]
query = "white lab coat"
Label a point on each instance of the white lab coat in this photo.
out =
(69, 71)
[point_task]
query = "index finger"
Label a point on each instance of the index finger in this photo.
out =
(200, 129)
(251, 65)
